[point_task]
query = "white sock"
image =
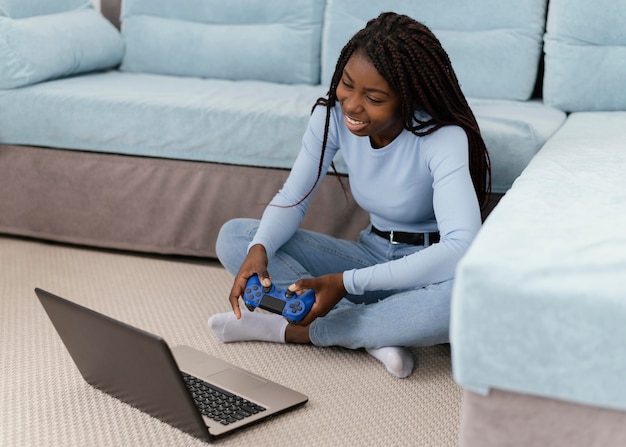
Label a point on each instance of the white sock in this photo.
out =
(397, 360)
(253, 326)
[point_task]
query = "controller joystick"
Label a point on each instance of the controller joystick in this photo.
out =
(286, 303)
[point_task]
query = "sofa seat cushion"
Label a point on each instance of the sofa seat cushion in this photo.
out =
(538, 305)
(246, 123)
(513, 131)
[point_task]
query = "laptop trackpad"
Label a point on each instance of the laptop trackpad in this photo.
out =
(236, 380)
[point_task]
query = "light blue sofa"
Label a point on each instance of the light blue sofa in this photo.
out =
(539, 306)
(193, 114)
(150, 138)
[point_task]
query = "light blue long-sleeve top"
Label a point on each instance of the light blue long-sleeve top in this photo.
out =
(414, 184)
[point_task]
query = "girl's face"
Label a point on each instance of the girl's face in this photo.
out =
(370, 107)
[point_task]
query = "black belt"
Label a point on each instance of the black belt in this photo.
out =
(399, 237)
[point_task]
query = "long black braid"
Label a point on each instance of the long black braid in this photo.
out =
(411, 59)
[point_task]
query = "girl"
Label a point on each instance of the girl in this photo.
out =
(416, 162)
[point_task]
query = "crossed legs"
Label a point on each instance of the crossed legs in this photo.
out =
(382, 323)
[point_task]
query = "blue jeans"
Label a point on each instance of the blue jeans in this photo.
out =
(414, 317)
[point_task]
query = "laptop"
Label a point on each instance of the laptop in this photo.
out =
(189, 389)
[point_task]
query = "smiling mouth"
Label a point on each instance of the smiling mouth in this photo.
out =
(354, 126)
(354, 122)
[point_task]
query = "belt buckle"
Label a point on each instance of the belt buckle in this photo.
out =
(391, 239)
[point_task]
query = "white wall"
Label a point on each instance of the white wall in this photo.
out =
(96, 3)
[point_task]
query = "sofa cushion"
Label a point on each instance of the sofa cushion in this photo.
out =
(250, 123)
(20, 9)
(495, 54)
(256, 123)
(538, 305)
(514, 132)
(267, 40)
(585, 62)
(43, 47)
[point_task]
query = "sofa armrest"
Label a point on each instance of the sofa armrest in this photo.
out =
(538, 305)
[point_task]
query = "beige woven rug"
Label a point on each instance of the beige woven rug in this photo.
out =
(45, 402)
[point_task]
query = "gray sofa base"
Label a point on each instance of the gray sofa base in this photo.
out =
(147, 204)
(504, 418)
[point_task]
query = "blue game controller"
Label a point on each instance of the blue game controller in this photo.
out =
(283, 302)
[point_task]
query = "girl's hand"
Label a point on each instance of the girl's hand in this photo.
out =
(255, 263)
(329, 290)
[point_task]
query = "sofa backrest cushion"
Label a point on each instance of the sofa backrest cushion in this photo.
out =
(585, 61)
(494, 45)
(265, 40)
(20, 9)
(41, 40)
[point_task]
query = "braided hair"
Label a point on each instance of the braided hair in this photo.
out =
(411, 59)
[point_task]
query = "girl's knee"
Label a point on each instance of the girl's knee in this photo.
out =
(233, 239)
(237, 229)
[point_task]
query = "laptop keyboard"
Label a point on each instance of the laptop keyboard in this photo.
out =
(217, 404)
